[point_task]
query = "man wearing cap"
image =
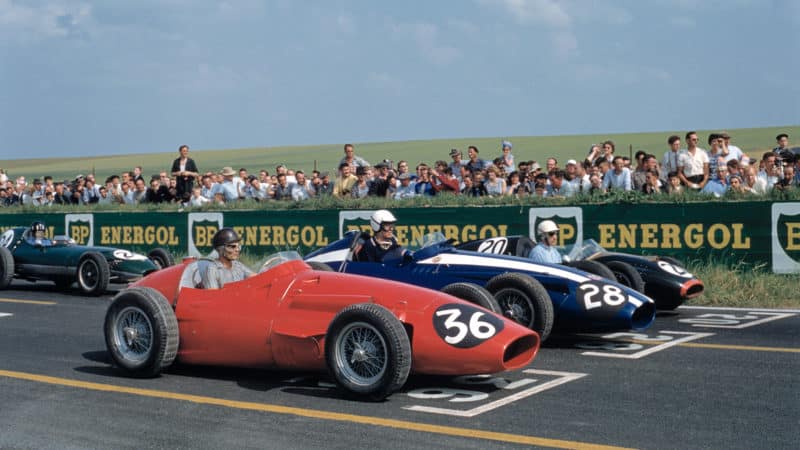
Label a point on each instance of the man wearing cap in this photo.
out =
(457, 163)
(406, 188)
(228, 187)
(344, 184)
(379, 184)
(324, 187)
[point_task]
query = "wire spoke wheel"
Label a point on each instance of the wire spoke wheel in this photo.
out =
(133, 334)
(516, 306)
(361, 353)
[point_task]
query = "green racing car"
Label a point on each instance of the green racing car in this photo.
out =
(26, 254)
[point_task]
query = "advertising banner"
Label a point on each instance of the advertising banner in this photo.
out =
(759, 233)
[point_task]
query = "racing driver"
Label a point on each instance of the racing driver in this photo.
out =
(382, 243)
(545, 251)
(226, 268)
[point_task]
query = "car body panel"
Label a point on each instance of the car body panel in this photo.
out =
(280, 317)
(441, 264)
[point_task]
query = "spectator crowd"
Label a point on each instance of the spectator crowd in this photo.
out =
(719, 170)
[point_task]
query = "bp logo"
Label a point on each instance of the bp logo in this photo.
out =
(786, 237)
(354, 220)
(202, 227)
(80, 227)
(568, 219)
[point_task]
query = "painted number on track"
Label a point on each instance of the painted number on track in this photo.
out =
(485, 390)
(636, 345)
(735, 321)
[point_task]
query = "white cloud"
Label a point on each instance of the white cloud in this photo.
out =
(426, 37)
(550, 13)
(547, 12)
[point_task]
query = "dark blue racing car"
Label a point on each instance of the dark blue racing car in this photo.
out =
(540, 296)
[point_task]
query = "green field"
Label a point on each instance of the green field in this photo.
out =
(753, 141)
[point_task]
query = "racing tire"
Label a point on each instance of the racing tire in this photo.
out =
(161, 257)
(524, 300)
(474, 294)
(321, 266)
(367, 351)
(6, 267)
(595, 268)
(141, 332)
(625, 274)
(63, 282)
(93, 273)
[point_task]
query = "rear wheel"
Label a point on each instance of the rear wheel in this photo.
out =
(595, 268)
(141, 332)
(368, 351)
(626, 274)
(161, 257)
(6, 267)
(524, 300)
(93, 273)
(474, 294)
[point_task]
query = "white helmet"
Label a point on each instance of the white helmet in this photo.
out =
(380, 217)
(546, 226)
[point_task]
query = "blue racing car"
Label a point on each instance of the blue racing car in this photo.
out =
(540, 296)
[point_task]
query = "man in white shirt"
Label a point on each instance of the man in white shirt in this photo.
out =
(693, 164)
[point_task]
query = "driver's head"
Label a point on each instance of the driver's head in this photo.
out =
(37, 230)
(547, 232)
(382, 222)
(226, 243)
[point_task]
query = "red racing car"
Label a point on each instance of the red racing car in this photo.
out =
(369, 333)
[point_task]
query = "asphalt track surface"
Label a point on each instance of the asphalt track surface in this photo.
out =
(698, 378)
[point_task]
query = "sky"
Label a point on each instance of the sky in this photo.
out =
(86, 78)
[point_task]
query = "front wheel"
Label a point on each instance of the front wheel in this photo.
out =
(524, 300)
(368, 351)
(141, 332)
(93, 273)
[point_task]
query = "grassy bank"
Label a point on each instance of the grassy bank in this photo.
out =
(753, 141)
(745, 287)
